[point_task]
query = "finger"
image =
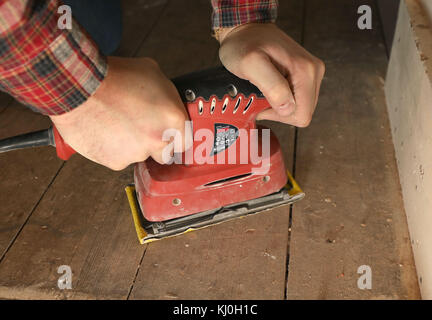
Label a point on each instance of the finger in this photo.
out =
(306, 98)
(263, 73)
(319, 82)
(165, 154)
(272, 115)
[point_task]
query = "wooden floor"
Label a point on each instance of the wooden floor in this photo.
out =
(54, 213)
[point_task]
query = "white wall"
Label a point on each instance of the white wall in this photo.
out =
(409, 99)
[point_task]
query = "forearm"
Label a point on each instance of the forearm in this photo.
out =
(50, 69)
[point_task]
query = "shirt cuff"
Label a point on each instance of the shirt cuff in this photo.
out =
(49, 69)
(231, 13)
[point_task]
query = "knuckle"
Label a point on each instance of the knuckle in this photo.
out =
(305, 63)
(151, 61)
(308, 65)
(312, 68)
(321, 67)
(304, 122)
(175, 119)
(117, 166)
(250, 57)
(278, 94)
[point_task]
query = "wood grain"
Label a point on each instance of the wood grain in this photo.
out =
(353, 213)
(181, 42)
(82, 220)
(139, 19)
(25, 174)
(5, 101)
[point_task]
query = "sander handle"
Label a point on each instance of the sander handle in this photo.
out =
(46, 137)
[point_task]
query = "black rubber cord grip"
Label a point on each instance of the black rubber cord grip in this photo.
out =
(29, 140)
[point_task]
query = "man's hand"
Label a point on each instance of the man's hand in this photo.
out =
(287, 75)
(123, 121)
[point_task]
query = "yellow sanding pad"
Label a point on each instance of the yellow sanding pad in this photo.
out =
(293, 188)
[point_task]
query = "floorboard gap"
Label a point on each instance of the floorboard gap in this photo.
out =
(136, 273)
(150, 30)
(30, 214)
(8, 104)
(290, 219)
(293, 172)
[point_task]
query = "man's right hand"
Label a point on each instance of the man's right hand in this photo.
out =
(123, 121)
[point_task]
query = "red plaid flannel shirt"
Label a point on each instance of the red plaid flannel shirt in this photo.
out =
(231, 13)
(54, 70)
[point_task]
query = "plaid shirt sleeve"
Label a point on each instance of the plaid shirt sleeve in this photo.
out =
(231, 13)
(49, 69)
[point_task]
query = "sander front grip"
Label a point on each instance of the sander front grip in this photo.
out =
(217, 87)
(64, 151)
(213, 82)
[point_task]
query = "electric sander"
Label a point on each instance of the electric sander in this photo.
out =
(231, 169)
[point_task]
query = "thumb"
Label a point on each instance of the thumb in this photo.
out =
(275, 87)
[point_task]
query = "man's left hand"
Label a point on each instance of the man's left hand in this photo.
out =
(287, 75)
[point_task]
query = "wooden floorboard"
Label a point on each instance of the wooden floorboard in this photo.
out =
(82, 220)
(242, 259)
(352, 214)
(5, 101)
(139, 19)
(25, 175)
(181, 41)
(353, 211)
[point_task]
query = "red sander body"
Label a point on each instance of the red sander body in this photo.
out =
(233, 167)
(228, 174)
